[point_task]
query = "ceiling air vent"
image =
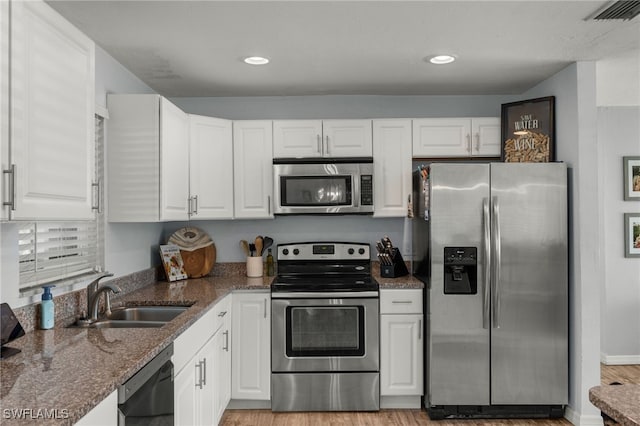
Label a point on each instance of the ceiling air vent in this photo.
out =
(622, 9)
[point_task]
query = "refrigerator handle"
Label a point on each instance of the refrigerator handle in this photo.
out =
(497, 260)
(487, 263)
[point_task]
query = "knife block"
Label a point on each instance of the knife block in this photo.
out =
(397, 269)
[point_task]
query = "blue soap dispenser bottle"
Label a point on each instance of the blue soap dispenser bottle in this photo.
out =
(48, 312)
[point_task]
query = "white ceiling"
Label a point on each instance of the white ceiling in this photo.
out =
(195, 48)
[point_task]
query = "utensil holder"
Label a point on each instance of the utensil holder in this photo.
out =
(397, 269)
(254, 266)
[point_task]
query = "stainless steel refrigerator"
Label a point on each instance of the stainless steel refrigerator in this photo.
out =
(496, 259)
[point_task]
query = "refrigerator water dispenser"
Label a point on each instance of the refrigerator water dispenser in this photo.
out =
(460, 270)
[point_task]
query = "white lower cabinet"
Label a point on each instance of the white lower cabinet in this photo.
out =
(251, 346)
(201, 362)
(103, 414)
(401, 348)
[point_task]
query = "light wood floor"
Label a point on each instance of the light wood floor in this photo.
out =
(618, 373)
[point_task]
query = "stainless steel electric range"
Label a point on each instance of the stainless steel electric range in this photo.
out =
(324, 329)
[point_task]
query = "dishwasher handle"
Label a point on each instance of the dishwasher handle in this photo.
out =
(131, 386)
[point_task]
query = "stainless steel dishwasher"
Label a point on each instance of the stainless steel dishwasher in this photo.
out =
(147, 397)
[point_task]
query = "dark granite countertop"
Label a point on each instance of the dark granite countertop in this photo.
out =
(620, 402)
(71, 370)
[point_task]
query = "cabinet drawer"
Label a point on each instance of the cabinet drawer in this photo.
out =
(221, 312)
(401, 301)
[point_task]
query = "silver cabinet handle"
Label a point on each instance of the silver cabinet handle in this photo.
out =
(265, 308)
(226, 341)
(401, 301)
(487, 263)
(11, 171)
(95, 205)
(478, 141)
(199, 367)
(269, 205)
(497, 260)
(318, 144)
(327, 143)
(419, 329)
(468, 142)
(195, 199)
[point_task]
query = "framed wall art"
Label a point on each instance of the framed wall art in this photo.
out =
(528, 131)
(631, 166)
(632, 235)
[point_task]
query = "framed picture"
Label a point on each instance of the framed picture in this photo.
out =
(632, 235)
(528, 131)
(631, 167)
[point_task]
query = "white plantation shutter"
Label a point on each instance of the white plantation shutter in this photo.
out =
(62, 252)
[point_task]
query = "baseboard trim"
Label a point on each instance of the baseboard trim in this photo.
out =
(400, 402)
(619, 359)
(245, 404)
(579, 420)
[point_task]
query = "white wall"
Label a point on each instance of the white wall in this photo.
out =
(618, 80)
(576, 144)
(618, 136)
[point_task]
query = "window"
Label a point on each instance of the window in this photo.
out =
(65, 252)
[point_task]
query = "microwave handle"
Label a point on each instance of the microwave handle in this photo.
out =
(356, 190)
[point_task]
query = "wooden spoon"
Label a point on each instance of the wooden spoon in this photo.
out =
(258, 243)
(244, 245)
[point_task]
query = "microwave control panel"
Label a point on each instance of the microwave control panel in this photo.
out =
(366, 190)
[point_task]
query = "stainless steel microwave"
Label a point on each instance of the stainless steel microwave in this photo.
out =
(323, 186)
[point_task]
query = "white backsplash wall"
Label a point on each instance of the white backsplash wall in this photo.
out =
(226, 234)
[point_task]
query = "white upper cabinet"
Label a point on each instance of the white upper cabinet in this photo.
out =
(347, 138)
(210, 168)
(487, 137)
(4, 103)
(51, 114)
(297, 138)
(147, 159)
(392, 167)
(318, 138)
(253, 169)
(456, 137)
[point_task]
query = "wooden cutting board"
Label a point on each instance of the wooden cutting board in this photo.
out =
(197, 250)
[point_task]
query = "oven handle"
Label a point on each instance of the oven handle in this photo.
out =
(324, 295)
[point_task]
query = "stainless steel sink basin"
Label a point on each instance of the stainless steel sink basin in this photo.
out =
(125, 324)
(135, 317)
(146, 313)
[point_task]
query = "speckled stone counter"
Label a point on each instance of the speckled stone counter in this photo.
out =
(620, 402)
(68, 371)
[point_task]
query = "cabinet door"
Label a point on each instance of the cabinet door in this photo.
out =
(210, 168)
(253, 169)
(4, 102)
(297, 138)
(206, 390)
(222, 372)
(392, 167)
(174, 162)
(441, 137)
(401, 354)
(185, 395)
(347, 138)
(486, 136)
(251, 346)
(52, 115)
(103, 414)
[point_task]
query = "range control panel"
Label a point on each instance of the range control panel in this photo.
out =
(323, 251)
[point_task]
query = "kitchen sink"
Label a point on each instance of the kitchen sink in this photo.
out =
(146, 313)
(135, 317)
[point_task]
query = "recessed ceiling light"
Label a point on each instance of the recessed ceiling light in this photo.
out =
(256, 60)
(441, 59)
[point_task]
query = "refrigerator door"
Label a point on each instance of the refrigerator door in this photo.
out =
(458, 352)
(529, 334)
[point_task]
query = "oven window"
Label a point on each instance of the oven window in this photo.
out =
(332, 190)
(325, 331)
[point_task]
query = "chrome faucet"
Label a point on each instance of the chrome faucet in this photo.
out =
(93, 296)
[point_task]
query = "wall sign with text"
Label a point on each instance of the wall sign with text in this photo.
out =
(528, 131)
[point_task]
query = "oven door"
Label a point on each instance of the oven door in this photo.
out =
(321, 334)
